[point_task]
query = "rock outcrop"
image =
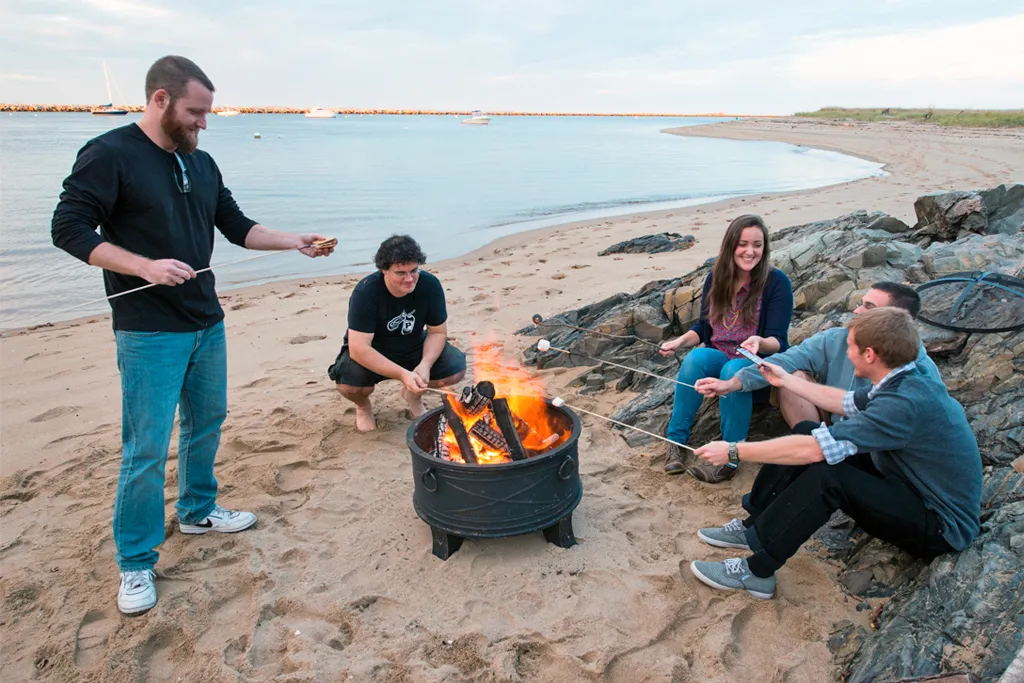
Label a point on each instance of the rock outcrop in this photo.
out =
(651, 244)
(962, 611)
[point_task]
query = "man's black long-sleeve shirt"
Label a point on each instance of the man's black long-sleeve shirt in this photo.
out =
(130, 188)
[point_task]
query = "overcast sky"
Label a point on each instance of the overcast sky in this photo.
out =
(679, 56)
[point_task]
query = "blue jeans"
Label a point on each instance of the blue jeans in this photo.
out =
(161, 372)
(735, 409)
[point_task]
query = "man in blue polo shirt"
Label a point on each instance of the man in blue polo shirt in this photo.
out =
(903, 463)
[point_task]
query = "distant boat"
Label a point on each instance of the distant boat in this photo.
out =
(478, 118)
(228, 112)
(108, 109)
(321, 113)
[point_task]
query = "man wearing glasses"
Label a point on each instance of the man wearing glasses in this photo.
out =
(157, 199)
(397, 329)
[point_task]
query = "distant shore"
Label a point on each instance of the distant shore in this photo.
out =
(137, 109)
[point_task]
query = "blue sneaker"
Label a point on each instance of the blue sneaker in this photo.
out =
(729, 536)
(734, 575)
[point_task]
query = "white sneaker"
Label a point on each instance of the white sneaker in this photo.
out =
(137, 593)
(224, 521)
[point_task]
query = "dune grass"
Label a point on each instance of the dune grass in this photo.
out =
(975, 118)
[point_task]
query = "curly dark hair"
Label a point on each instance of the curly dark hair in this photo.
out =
(398, 249)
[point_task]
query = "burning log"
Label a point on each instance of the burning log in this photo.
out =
(477, 398)
(506, 422)
(483, 429)
(459, 430)
(441, 449)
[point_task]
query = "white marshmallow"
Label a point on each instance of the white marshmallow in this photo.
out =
(558, 402)
(543, 346)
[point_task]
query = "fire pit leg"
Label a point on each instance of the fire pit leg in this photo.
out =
(445, 544)
(560, 533)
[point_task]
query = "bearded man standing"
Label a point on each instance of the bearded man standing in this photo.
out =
(157, 199)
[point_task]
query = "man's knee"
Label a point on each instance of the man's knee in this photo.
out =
(448, 381)
(351, 392)
(804, 427)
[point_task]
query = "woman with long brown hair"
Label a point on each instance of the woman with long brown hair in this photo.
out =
(746, 303)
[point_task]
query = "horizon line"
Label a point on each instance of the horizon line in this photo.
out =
(134, 108)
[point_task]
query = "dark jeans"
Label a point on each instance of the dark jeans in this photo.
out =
(789, 503)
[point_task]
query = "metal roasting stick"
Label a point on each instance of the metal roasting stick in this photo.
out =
(538, 321)
(558, 402)
(544, 345)
(153, 284)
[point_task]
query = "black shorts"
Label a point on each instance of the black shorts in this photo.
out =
(344, 370)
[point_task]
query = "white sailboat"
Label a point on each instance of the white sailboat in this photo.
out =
(108, 109)
(228, 112)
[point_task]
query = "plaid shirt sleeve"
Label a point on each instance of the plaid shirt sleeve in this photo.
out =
(849, 404)
(834, 451)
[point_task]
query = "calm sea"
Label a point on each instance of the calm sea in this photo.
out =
(362, 178)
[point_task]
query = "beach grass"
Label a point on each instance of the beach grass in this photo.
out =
(973, 118)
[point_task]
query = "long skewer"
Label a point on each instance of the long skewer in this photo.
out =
(327, 243)
(538, 320)
(558, 402)
(544, 346)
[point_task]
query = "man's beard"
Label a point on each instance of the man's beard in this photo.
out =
(186, 139)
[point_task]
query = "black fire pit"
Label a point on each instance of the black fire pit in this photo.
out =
(462, 501)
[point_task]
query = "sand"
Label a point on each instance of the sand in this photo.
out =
(337, 581)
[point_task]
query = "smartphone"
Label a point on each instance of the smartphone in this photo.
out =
(749, 356)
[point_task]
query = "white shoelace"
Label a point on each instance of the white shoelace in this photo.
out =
(735, 526)
(221, 512)
(137, 579)
(733, 565)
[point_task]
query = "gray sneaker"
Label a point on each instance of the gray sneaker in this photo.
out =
(729, 536)
(732, 575)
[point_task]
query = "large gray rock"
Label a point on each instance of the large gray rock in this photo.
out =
(945, 216)
(651, 244)
(960, 611)
(1006, 208)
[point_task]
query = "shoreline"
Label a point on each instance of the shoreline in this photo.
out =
(514, 240)
(744, 130)
(337, 578)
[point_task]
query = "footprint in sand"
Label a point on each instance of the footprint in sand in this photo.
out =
(155, 654)
(91, 638)
(54, 413)
(304, 338)
(293, 476)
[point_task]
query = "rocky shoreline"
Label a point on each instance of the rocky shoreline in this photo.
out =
(962, 612)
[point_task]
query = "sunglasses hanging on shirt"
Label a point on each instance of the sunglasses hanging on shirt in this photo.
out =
(184, 185)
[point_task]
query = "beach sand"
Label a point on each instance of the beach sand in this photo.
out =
(337, 581)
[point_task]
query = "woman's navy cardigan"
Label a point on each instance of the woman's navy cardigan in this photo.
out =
(776, 310)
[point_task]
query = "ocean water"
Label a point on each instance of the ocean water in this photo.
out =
(362, 178)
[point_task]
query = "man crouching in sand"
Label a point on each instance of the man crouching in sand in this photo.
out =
(397, 329)
(903, 463)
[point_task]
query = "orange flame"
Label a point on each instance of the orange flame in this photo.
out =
(538, 429)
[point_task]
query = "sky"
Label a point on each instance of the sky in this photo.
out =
(679, 56)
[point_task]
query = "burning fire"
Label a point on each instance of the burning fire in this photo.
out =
(536, 425)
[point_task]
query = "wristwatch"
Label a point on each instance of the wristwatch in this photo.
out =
(734, 453)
